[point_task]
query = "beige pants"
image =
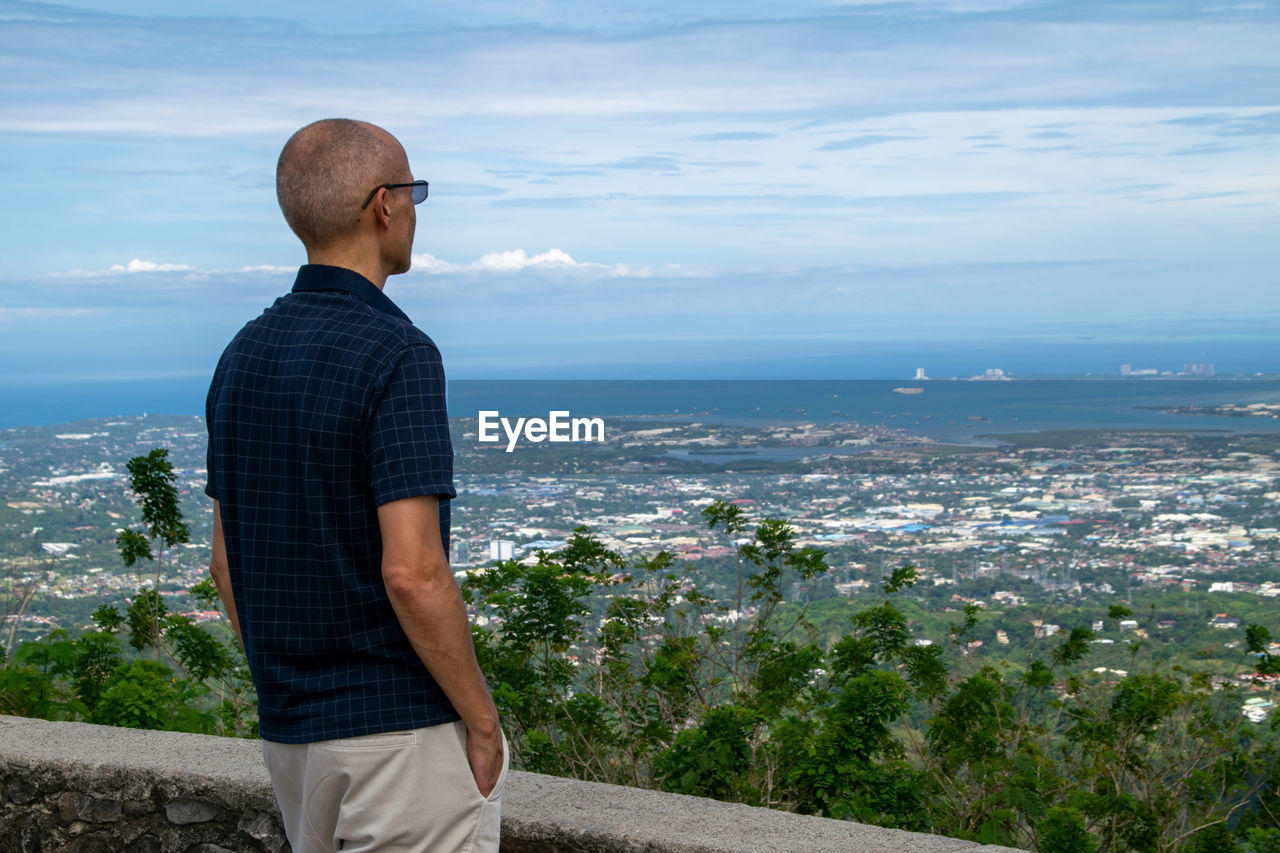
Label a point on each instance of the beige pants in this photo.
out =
(395, 792)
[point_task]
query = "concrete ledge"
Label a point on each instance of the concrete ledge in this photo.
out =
(84, 788)
(75, 786)
(547, 814)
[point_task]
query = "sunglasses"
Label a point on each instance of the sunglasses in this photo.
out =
(419, 192)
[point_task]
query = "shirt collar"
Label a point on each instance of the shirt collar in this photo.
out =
(323, 277)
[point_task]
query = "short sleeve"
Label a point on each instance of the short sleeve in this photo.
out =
(410, 453)
(210, 463)
(210, 487)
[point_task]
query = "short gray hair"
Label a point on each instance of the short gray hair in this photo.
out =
(325, 171)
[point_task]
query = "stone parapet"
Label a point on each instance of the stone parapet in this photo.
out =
(85, 788)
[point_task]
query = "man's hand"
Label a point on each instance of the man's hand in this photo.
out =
(484, 753)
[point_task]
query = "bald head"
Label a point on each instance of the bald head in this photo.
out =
(327, 169)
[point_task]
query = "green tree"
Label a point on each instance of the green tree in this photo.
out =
(669, 688)
(1063, 831)
(1160, 762)
(145, 694)
(639, 675)
(204, 686)
(153, 481)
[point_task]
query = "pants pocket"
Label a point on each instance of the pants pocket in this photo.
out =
(496, 793)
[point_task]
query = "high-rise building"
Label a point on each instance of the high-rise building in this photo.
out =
(501, 549)
(1130, 370)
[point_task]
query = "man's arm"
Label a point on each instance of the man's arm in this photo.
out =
(429, 605)
(221, 573)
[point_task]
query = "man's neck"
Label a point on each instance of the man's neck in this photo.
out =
(368, 264)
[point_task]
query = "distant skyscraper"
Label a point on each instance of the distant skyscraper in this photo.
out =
(920, 373)
(1130, 370)
(501, 549)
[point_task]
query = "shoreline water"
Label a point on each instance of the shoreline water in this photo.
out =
(949, 411)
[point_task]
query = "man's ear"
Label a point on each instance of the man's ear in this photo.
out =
(381, 209)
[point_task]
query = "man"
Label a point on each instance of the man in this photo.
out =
(331, 471)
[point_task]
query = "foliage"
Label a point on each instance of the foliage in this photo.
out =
(144, 694)
(153, 481)
(1063, 831)
(641, 675)
(92, 678)
(203, 687)
(645, 673)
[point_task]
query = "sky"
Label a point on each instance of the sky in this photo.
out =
(718, 189)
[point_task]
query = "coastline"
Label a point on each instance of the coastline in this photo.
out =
(950, 411)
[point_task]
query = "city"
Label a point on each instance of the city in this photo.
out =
(1042, 531)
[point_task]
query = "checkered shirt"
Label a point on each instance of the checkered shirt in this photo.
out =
(328, 405)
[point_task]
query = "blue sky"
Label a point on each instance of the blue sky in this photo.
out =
(697, 189)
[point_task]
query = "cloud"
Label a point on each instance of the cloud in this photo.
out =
(555, 203)
(516, 259)
(462, 188)
(628, 124)
(138, 265)
(735, 136)
(7, 313)
(1204, 148)
(653, 163)
(1266, 124)
(210, 85)
(135, 266)
(927, 201)
(267, 268)
(550, 261)
(1239, 123)
(169, 275)
(1237, 7)
(508, 261)
(859, 142)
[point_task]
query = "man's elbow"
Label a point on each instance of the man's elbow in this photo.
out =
(220, 573)
(427, 578)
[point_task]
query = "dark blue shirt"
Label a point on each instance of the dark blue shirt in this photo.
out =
(325, 407)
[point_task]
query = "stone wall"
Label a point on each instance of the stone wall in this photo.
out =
(78, 787)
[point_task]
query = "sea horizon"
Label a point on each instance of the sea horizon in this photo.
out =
(952, 410)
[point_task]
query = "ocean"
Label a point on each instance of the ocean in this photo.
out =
(947, 410)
